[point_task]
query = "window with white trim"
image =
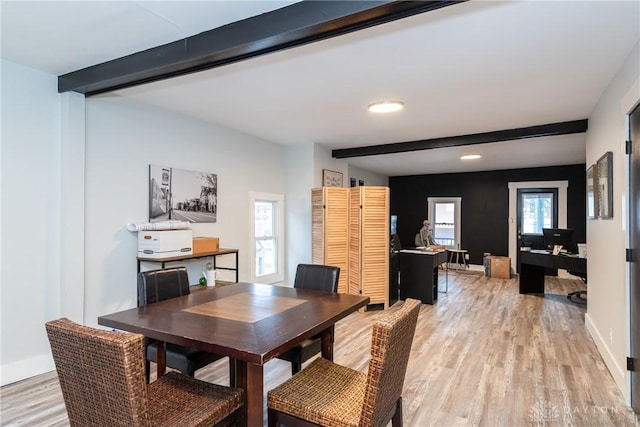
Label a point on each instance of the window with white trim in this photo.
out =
(267, 237)
(444, 218)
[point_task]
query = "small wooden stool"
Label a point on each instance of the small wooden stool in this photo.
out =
(457, 253)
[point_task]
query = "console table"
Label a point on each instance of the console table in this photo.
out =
(214, 255)
(532, 265)
(419, 274)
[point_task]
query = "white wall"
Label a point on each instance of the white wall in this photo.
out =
(123, 138)
(369, 178)
(606, 318)
(71, 179)
(300, 180)
(30, 223)
(322, 160)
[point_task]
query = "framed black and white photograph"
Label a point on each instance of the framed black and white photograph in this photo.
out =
(179, 194)
(331, 178)
(353, 182)
(604, 172)
(592, 193)
(360, 183)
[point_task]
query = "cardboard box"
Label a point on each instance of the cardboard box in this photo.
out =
(500, 267)
(165, 243)
(205, 244)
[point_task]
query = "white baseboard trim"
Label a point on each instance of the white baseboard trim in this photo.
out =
(472, 267)
(618, 374)
(26, 368)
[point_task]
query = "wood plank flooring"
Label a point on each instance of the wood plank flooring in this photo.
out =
(483, 355)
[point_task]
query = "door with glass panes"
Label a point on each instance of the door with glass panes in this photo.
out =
(444, 217)
(537, 209)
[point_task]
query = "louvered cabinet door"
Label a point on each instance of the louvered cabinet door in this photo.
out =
(329, 229)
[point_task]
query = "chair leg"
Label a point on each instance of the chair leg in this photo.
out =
(276, 419)
(295, 368)
(396, 420)
(232, 372)
(272, 418)
(147, 370)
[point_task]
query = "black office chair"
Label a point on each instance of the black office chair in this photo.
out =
(579, 297)
(159, 285)
(320, 278)
(396, 246)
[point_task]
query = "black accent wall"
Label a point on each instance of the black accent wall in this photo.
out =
(485, 204)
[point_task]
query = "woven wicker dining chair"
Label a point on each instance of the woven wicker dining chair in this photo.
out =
(101, 374)
(327, 394)
(319, 278)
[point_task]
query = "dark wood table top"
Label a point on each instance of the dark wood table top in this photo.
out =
(246, 321)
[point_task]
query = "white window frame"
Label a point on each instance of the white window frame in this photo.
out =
(278, 234)
(431, 209)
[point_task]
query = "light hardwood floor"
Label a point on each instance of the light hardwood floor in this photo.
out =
(483, 355)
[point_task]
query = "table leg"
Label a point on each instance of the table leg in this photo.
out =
(161, 360)
(446, 278)
(326, 338)
(250, 378)
(241, 382)
(237, 267)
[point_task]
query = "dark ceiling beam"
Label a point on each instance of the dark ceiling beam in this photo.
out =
(291, 26)
(553, 129)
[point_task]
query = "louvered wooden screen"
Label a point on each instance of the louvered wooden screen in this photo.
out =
(329, 229)
(350, 229)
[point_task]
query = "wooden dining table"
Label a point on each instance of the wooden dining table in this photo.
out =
(251, 323)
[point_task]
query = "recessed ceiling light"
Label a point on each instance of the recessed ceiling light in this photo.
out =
(386, 106)
(470, 157)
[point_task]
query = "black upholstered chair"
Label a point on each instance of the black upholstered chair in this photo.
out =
(319, 278)
(159, 285)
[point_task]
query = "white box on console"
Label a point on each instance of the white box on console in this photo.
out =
(165, 243)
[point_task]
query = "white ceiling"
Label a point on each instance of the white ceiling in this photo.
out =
(474, 67)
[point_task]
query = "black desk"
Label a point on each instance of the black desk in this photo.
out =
(532, 266)
(419, 274)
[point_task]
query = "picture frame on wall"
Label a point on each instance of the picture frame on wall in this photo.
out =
(184, 195)
(592, 192)
(604, 173)
(331, 178)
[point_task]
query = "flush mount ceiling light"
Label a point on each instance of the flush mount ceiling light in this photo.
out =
(386, 106)
(470, 157)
